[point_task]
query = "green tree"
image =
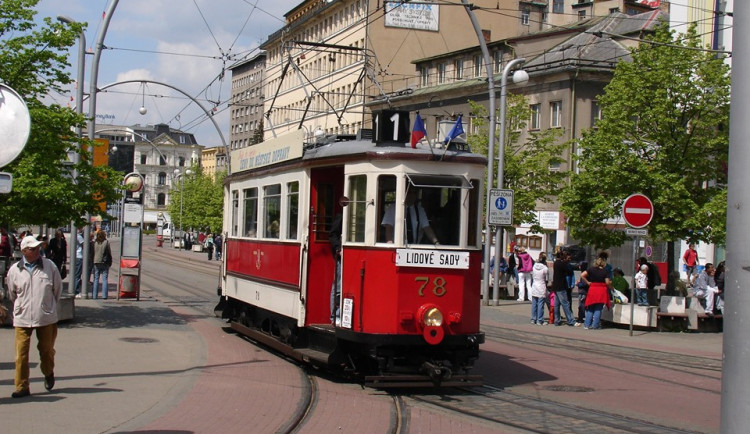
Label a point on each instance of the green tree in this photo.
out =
(200, 202)
(527, 162)
(664, 133)
(35, 62)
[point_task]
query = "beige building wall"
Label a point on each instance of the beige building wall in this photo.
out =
(208, 161)
(368, 51)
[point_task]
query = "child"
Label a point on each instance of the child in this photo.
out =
(641, 285)
(619, 282)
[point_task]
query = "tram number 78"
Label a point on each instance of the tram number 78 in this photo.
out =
(438, 285)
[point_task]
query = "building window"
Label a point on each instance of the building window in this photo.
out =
(498, 61)
(596, 114)
(161, 199)
(181, 161)
(525, 17)
(162, 178)
(458, 69)
(478, 66)
(441, 73)
(614, 10)
(182, 139)
(558, 6)
(581, 15)
(535, 242)
(144, 158)
(162, 160)
(535, 123)
(424, 73)
(555, 114)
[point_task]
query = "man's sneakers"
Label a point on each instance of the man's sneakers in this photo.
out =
(21, 393)
(49, 381)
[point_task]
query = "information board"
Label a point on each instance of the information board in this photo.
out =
(500, 208)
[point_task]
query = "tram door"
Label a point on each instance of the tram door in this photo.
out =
(327, 186)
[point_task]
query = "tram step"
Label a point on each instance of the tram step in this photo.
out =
(310, 355)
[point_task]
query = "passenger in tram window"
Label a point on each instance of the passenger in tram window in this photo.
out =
(272, 231)
(417, 224)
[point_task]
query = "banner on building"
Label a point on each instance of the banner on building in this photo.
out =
(649, 3)
(412, 16)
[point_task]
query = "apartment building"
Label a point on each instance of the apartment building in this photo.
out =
(332, 57)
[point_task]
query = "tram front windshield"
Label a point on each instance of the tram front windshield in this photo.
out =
(432, 209)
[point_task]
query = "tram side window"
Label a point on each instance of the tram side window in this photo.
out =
(292, 202)
(235, 212)
(272, 207)
(358, 196)
(251, 212)
(386, 198)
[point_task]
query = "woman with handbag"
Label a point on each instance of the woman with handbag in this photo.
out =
(102, 262)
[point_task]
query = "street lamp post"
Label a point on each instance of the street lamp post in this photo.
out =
(519, 77)
(77, 156)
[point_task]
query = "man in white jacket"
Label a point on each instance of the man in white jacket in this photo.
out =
(34, 286)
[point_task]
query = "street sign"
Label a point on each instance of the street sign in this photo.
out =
(500, 208)
(637, 210)
(640, 232)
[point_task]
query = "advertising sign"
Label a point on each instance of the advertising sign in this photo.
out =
(413, 16)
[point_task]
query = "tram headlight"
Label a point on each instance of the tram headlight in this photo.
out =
(433, 317)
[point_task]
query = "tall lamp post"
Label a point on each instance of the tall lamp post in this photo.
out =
(77, 156)
(520, 77)
(179, 174)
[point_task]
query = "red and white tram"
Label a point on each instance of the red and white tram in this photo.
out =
(409, 309)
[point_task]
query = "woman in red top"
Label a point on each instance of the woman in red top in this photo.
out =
(597, 277)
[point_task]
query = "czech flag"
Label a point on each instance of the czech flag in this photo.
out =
(456, 131)
(418, 132)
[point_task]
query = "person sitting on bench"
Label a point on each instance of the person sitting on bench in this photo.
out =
(704, 288)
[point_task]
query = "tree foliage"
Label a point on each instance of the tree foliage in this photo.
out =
(35, 62)
(200, 201)
(527, 162)
(664, 133)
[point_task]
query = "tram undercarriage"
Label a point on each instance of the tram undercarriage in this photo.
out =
(381, 361)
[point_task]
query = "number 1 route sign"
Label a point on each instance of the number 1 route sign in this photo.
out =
(637, 210)
(500, 209)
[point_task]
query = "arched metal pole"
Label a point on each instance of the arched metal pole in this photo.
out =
(208, 114)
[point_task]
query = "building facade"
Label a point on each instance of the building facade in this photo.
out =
(333, 57)
(246, 119)
(159, 154)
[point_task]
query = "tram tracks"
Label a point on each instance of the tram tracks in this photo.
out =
(536, 415)
(676, 362)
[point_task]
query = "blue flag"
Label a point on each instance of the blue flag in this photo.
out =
(456, 131)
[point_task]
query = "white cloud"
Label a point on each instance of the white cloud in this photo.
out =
(163, 40)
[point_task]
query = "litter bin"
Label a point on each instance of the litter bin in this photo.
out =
(129, 285)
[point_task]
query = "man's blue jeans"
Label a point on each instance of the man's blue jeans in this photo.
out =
(537, 310)
(79, 271)
(561, 299)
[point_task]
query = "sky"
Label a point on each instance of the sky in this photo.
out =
(183, 43)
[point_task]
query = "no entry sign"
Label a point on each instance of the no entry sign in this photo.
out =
(637, 210)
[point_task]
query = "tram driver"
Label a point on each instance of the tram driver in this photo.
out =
(418, 229)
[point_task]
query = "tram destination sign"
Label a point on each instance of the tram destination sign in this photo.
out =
(432, 259)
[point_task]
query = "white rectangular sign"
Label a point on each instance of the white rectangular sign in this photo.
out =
(272, 151)
(347, 312)
(631, 231)
(416, 16)
(432, 258)
(500, 208)
(132, 213)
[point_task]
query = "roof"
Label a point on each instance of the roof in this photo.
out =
(597, 46)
